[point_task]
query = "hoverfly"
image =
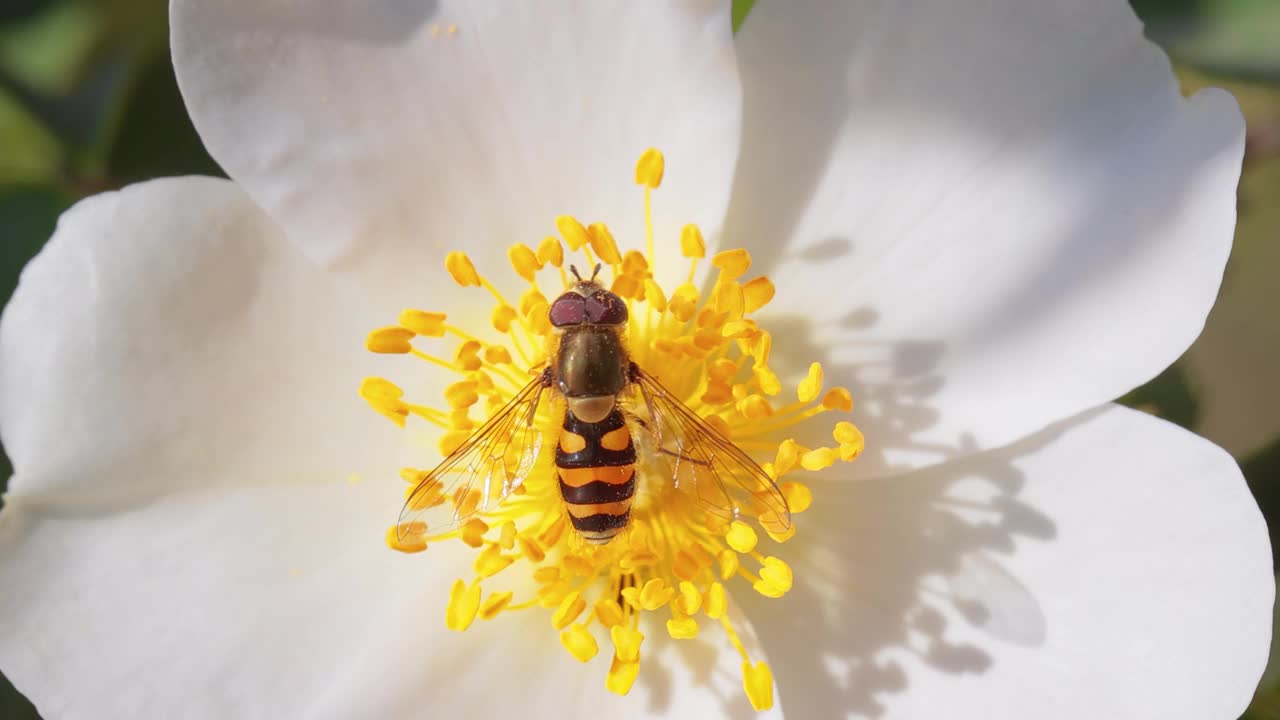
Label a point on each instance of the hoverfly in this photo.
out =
(609, 401)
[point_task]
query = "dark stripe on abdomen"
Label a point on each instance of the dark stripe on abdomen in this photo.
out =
(600, 523)
(597, 491)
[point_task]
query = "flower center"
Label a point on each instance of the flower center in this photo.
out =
(677, 549)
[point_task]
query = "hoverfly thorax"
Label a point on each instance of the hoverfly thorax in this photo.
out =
(591, 360)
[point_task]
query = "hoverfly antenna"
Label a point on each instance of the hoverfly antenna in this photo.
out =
(596, 272)
(574, 270)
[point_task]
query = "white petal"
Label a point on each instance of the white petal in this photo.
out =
(1114, 566)
(387, 134)
(995, 216)
(167, 338)
(283, 602)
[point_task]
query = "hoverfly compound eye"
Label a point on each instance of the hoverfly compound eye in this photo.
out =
(605, 308)
(568, 309)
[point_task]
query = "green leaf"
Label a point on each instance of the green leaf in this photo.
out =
(156, 137)
(13, 704)
(1232, 37)
(1170, 395)
(28, 216)
(738, 12)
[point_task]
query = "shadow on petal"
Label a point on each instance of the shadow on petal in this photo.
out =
(885, 568)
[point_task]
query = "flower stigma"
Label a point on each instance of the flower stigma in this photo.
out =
(674, 560)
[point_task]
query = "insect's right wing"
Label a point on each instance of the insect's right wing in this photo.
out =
(486, 468)
(724, 481)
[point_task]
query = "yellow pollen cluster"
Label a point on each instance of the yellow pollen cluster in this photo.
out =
(674, 557)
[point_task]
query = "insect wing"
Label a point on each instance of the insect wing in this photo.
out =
(486, 468)
(722, 478)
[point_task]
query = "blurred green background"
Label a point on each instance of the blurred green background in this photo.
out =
(88, 103)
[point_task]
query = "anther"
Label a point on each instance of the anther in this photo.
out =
(460, 267)
(654, 295)
(690, 600)
(741, 537)
(603, 243)
(491, 561)
(609, 612)
(622, 675)
(767, 380)
(682, 628)
(634, 264)
(811, 385)
(757, 680)
(464, 603)
(523, 261)
(501, 318)
(405, 542)
(579, 642)
(574, 234)
(799, 496)
(497, 355)
(626, 642)
(716, 601)
(733, 264)
(786, 457)
(550, 251)
(384, 397)
(390, 340)
(691, 243)
(494, 604)
(650, 167)
(758, 292)
(838, 399)
(570, 608)
(421, 322)
(818, 459)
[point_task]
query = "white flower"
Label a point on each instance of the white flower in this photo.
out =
(986, 221)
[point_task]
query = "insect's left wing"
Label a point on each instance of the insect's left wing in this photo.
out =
(486, 468)
(723, 479)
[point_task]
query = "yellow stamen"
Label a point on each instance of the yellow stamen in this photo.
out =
(523, 261)
(622, 675)
(741, 537)
(811, 385)
(574, 234)
(758, 681)
(799, 496)
(626, 643)
(421, 322)
(838, 399)
(649, 168)
(579, 642)
(389, 340)
(691, 243)
(495, 604)
(464, 603)
(550, 252)
(603, 243)
(716, 602)
(682, 628)
(677, 553)
(733, 264)
(570, 608)
(460, 267)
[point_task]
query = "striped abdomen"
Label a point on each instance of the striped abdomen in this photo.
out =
(597, 465)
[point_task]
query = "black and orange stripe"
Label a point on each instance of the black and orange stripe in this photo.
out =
(597, 465)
